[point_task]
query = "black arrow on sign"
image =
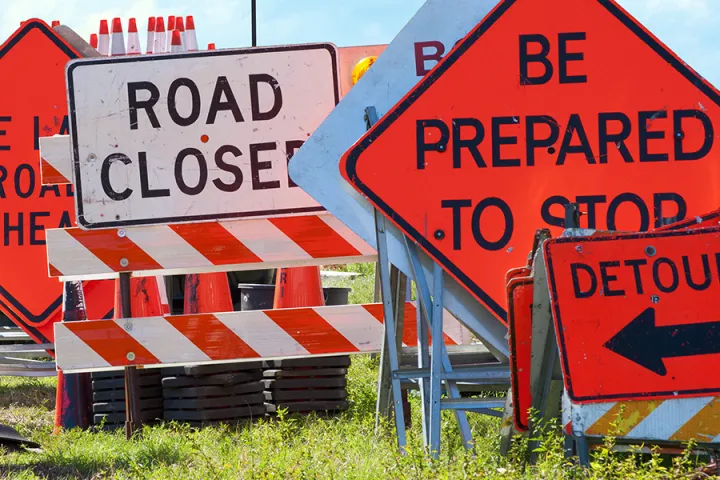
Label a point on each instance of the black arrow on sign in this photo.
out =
(646, 344)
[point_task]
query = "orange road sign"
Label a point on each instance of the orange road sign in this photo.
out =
(32, 105)
(636, 315)
(541, 104)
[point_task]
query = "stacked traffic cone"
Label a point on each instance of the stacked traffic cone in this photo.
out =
(314, 384)
(170, 28)
(298, 287)
(180, 26)
(191, 44)
(104, 38)
(176, 42)
(160, 39)
(55, 23)
(133, 42)
(117, 43)
(94, 40)
(72, 405)
(149, 43)
(211, 46)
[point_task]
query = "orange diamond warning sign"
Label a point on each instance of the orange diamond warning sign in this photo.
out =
(543, 103)
(32, 105)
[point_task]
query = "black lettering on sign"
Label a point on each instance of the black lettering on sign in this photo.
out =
(35, 227)
(526, 58)
(679, 134)
(65, 220)
(19, 180)
(45, 188)
(145, 190)
(256, 166)
(706, 273)
(17, 228)
(105, 176)
(636, 264)
(471, 144)
(4, 148)
(564, 56)
(575, 126)
(477, 227)
(606, 278)
(672, 268)
(628, 198)
(659, 212)
(645, 121)
(3, 177)
(291, 146)
(456, 205)
(202, 171)
(545, 210)
(228, 167)
(591, 201)
(217, 104)
(532, 142)
(194, 102)
(421, 145)
(498, 140)
(618, 138)
(147, 105)
(255, 81)
(422, 57)
(36, 133)
(64, 129)
(580, 292)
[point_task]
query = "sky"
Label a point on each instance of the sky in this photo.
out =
(690, 27)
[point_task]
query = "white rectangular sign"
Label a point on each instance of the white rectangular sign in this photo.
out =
(199, 136)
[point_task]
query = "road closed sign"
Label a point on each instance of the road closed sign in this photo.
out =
(198, 136)
(637, 315)
(542, 104)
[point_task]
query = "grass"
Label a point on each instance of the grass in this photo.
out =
(290, 447)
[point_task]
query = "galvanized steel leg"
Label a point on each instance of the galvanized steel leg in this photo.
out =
(583, 450)
(423, 294)
(391, 349)
(436, 363)
(423, 362)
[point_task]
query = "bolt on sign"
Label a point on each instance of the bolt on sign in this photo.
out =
(198, 136)
(583, 105)
(33, 105)
(636, 315)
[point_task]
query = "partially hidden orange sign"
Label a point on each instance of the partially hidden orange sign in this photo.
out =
(637, 315)
(543, 103)
(32, 105)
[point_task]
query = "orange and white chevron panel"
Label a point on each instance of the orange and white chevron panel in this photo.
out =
(319, 239)
(233, 336)
(678, 420)
(55, 161)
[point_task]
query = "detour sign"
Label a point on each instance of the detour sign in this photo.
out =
(542, 104)
(637, 315)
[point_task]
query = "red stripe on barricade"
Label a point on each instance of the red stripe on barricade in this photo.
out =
(215, 243)
(112, 343)
(212, 336)
(111, 248)
(315, 236)
(314, 333)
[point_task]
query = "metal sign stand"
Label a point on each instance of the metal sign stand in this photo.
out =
(434, 367)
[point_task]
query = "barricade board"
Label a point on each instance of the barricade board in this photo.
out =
(234, 336)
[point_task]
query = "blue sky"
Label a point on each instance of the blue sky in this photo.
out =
(690, 27)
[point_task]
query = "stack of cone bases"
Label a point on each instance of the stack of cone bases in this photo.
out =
(104, 38)
(133, 42)
(117, 41)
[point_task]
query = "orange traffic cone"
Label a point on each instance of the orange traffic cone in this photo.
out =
(180, 25)
(207, 293)
(133, 41)
(191, 44)
(117, 45)
(55, 23)
(211, 46)
(144, 298)
(160, 39)
(72, 400)
(104, 38)
(170, 28)
(176, 42)
(298, 287)
(149, 43)
(94, 40)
